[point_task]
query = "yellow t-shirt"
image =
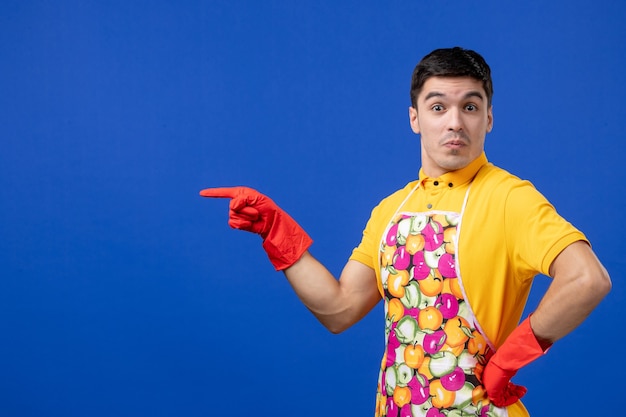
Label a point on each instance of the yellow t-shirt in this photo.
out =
(509, 233)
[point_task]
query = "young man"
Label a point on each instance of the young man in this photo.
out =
(452, 255)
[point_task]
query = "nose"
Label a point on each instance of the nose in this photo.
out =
(455, 121)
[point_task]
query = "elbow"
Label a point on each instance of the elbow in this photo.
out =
(605, 283)
(598, 282)
(335, 331)
(335, 324)
(336, 328)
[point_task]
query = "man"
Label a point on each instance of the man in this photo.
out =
(452, 255)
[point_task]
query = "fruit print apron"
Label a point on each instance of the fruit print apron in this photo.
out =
(435, 351)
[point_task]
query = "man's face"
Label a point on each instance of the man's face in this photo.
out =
(452, 117)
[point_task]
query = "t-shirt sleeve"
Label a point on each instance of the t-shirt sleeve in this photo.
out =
(366, 251)
(536, 233)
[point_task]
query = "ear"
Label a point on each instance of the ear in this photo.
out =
(490, 119)
(413, 120)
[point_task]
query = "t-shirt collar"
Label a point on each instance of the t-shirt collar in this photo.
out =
(454, 178)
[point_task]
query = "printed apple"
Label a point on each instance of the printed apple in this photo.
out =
(431, 257)
(418, 223)
(446, 265)
(402, 396)
(420, 268)
(392, 408)
(430, 318)
(463, 399)
(434, 341)
(449, 237)
(392, 339)
(458, 331)
(448, 305)
(404, 374)
(412, 295)
(432, 285)
(467, 361)
(454, 381)
(392, 235)
(433, 235)
(441, 397)
(414, 243)
(390, 357)
(442, 363)
(401, 258)
(452, 219)
(394, 311)
(477, 345)
(404, 228)
(413, 355)
(420, 390)
(390, 380)
(396, 282)
(406, 329)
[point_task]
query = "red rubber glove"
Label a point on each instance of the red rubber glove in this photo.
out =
(283, 239)
(518, 350)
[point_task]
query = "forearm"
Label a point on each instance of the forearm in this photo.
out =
(580, 282)
(337, 304)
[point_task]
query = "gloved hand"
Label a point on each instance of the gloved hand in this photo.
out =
(518, 350)
(283, 239)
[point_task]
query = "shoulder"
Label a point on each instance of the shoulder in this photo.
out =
(492, 175)
(389, 204)
(497, 183)
(394, 199)
(498, 194)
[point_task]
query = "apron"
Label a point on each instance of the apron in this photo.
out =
(435, 350)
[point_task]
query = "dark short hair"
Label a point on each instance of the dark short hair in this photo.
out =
(451, 62)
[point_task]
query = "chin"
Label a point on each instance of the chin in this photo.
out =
(452, 164)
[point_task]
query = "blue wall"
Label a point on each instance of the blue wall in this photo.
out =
(123, 293)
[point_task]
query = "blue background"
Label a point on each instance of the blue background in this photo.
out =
(124, 293)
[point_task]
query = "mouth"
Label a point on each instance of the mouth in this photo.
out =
(456, 141)
(455, 144)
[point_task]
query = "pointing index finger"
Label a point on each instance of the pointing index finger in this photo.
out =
(221, 192)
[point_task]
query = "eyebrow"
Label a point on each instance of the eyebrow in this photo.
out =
(469, 94)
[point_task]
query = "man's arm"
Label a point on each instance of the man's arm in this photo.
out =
(337, 304)
(579, 283)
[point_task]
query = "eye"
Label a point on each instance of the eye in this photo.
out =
(471, 107)
(437, 107)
